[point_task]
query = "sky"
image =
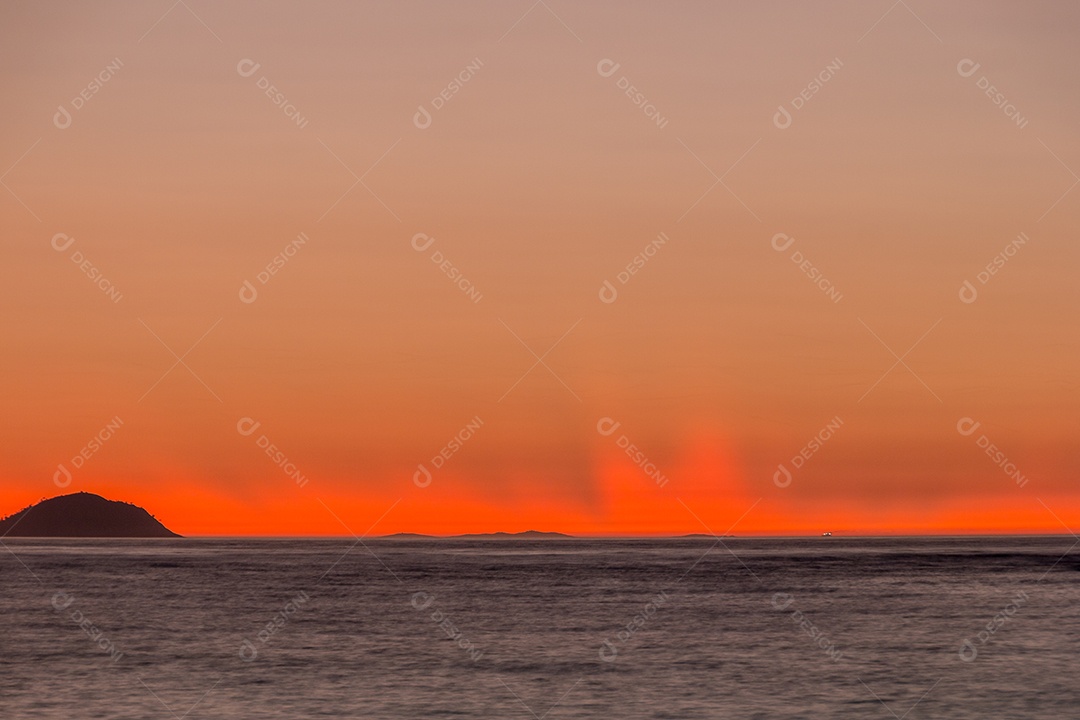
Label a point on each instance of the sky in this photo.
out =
(604, 269)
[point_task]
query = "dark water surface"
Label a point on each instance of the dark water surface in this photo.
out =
(750, 628)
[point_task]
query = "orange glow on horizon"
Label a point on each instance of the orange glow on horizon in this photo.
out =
(212, 293)
(191, 510)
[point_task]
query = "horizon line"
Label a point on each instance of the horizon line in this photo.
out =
(568, 536)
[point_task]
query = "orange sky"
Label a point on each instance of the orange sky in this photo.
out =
(826, 178)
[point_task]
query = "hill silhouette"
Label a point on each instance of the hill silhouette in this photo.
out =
(83, 514)
(526, 535)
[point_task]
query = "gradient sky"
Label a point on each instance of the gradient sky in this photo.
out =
(899, 179)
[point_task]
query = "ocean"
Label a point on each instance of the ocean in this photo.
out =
(972, 627)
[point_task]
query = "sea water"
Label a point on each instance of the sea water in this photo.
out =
(543, 629)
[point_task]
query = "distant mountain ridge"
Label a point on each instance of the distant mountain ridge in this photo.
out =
(83, 514)
(526, 535)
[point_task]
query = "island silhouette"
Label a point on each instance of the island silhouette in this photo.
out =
(83, 514)
(526, 535)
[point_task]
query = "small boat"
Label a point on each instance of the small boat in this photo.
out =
(826, 534)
